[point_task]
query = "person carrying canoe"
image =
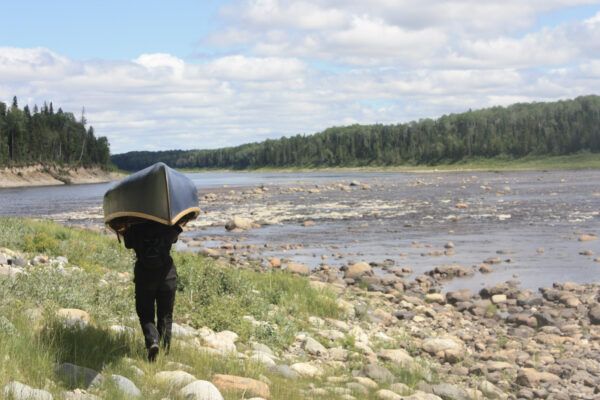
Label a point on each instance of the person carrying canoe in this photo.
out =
(155, 278)
(148, 209)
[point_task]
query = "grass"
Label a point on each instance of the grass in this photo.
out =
(97, 279)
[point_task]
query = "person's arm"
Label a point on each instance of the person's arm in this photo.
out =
(174, 232)
(128, 238)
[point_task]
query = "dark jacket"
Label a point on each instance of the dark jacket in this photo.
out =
(152, 243)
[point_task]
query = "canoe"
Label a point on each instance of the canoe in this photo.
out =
(156, 193)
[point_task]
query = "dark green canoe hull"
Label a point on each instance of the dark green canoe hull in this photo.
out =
(157, 193)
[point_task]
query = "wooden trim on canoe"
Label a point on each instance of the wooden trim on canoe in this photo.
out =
(195, 210)
(113, 216)
(110, 217)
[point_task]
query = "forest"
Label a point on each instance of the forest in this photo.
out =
(524, 129)
(43, 136)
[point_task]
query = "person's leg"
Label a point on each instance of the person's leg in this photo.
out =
(165, 300)
(145, 295)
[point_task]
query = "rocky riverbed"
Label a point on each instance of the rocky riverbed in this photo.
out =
(397, 339)
(475, 285)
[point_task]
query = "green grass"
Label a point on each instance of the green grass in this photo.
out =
(208, 295)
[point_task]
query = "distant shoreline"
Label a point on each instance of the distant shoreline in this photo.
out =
(40, 175)
(574, 161)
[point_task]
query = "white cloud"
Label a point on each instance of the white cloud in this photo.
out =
(286, 67)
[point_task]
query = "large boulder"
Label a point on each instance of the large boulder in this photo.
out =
(238, 223)
(73, 317)
(76, 376)
(18, 391)
(450, 271)
(358, 270)
(399, 357)
(437, 345)
(177, 379)
(532, 378)
(201, 390)
(244, 386)
(298, 269)
(594, 315)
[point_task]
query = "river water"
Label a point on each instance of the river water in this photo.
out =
(530, 220)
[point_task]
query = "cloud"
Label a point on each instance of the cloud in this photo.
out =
(275, 68)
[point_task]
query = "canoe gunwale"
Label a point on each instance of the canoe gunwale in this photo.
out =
(110, 218)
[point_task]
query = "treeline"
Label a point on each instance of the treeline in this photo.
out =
(556, 128)
(44, 136)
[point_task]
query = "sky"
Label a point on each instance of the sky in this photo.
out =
(155, 75)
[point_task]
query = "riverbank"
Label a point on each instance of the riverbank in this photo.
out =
(69, 330)
(40, 175)
(582, 160)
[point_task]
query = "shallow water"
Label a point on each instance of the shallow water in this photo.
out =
(402, 217)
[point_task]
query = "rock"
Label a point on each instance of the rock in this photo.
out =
(422, 396)
(201, 390)
(307, 370)
(436, 345)
(435, 298)
(245, 386)
(18, 261)
(298, 269)
(450, 271)
(492, 260)
(399, 357)
(532, 378)
(6, 326)
(459, 296)
(18, 391)
(366, 382)
(238, 223)
(73, 317)
(594, 315)
(122, 330)
(378, 373)
(125, 386)
(283, 371)
(485, 269)
(177, 379)
(183, 331)
(275, 262)
(79, 394)
(221, 343)
(587, 238)
(314, 348)
(499, 299)
(358, 270)
(449, 392)
(214, 253)
(262, 358)
(76, 376)
(381, 316)
(308, 223)
(385, 394)
(491, 391)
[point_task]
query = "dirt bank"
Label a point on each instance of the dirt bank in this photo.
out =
(39, 175)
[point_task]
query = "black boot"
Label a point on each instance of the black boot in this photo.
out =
(152, 352)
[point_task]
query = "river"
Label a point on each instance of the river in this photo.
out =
(530, 220)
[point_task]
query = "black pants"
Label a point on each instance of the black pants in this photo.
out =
(161, 292)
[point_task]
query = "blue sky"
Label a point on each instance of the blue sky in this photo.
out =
(207, 74)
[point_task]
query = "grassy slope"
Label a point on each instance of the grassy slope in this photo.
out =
(208, 295)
